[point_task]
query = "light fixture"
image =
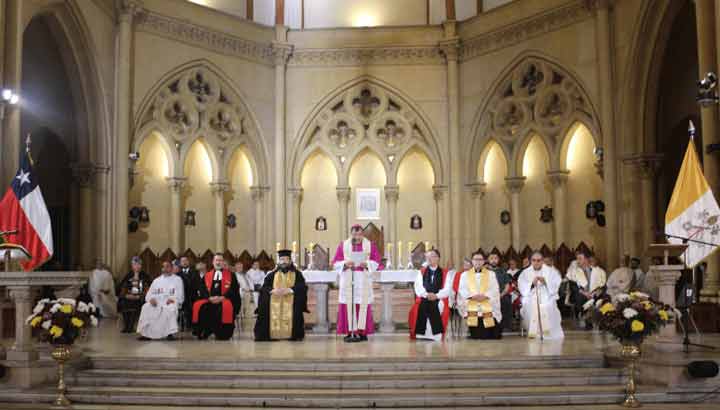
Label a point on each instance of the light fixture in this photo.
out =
(8, 98)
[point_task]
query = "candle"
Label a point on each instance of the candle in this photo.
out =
(311, 247)
(399, 250)
(427, 246)
(277, 247)
(294, 246)
(410, 248)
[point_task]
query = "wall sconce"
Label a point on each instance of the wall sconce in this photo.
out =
(505, 217)
(546, 214)
(8, 98)
(189, 218)
(231, 221)
(594, 210)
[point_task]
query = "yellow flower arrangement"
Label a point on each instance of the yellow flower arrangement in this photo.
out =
(66, 309)
(36, 321)
(77, 322)
(637, 326)
(663, 315)
(607, 308)
(647, 305)
(56, 331)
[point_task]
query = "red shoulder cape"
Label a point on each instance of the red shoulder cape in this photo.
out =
(445, 315)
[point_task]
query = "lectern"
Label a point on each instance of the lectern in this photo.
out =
(666, 276)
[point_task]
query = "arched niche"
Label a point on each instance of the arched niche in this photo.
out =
(415, 180)
(493, 170)
(150, 190)
(367, 172)
(535, 194)
(240, 202)
(198, 197)
(319, 181)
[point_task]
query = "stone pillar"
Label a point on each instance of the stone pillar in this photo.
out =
(176, 214)
(127, 9)
(83, 175)
(343, 196)
(218, 190)
(281, 52)
(387, 325)
(322, 324)
(442, 216)
(558, 180)
(12, 140)
(648, 166)
(706, 15)
(295, 196)
(258, 195)
(450, 47)
(392, 193)
(514, 186)
(477, 192)
(22, 349)
(607, 124)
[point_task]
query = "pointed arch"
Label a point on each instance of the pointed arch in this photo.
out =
(364, 151)
(171, 153)
(175, 103)
(212, 158)
(535, 93)
(323, 152)
(569, 136)
(484, 154)
(521, 151)
(232, 159)
(366, 113)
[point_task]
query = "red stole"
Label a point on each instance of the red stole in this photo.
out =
(227, 307)
(445, 315)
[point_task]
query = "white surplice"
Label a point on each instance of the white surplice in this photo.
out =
(361, 292)
(246, 292)
(549, 315)
(492, 292)
(159, 321)
(257, 277)
(442, 294)
(102, 291)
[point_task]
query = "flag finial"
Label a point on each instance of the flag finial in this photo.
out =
(691, 129)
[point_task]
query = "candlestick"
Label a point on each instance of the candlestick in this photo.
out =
(389, 256)
(427, 246)
(410, 251)
(399, 251)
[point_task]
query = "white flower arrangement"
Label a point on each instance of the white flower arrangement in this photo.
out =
(588, 304)
(82, 307)
(622, 297)
(599, 303)
(55, 308)
(67, 301)
(93, 321)
(46, 324)
(630, 313)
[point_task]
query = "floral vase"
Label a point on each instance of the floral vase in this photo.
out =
(61, 354)
(630, 352)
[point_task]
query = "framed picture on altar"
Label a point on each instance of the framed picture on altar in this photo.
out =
(367, 203)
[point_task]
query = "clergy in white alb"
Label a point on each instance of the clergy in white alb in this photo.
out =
(159, 314)
(102, 291)
(257, 278)
(355, 261)
(539, 286)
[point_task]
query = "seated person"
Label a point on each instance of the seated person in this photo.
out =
(585, 281)
(163, 301)
(131, 291)
(217, 302)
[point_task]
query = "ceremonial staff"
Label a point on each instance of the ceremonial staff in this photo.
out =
(537, 302)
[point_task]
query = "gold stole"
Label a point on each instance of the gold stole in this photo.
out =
(281, 307)
(476, 308)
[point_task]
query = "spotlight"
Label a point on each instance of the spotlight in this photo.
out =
(7, 94)
(14, 99)
(707, 94)
(134, 156)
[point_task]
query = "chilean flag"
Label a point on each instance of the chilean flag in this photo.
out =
(23, 209)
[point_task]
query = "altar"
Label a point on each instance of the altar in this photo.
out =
(393, 285)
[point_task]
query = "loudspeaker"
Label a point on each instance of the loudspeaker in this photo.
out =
(703, 369)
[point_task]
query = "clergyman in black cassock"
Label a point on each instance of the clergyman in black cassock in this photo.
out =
(282, 302)
(218, 303)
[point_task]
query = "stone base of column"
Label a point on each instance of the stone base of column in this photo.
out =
(21, 355)
(321, 328)
(387, 327)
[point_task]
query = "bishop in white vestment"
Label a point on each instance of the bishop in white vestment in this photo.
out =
(539, 285)
(159, 314)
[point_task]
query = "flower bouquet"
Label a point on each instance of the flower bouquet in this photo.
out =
(60, 322)
(630, 318)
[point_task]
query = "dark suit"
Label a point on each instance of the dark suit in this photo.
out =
(187, 275)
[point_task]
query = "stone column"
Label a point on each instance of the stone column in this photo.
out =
(392, 193)
(83, 175)
(12, 140)
(450, 47)
(258, 195)
(514, 186)
(295, 196)
(648, 166)
(127, 9)
(281, 52)
(607, 123)
(387, 325)
(176, 214)
(218, 190)
(442, 216)
(22, 349)
(322, 324)
(343, 196)
(477, 192)
(706, 15)
(558, 180)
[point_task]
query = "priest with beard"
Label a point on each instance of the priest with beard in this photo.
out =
(217, 303)
(430, 314)
(282, 302)
(539, 285)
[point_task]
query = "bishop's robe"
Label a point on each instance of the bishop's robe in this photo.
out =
(281, 316)
(216, 318)
(539, 311)
(483, 318)
(161, 320)
(360, 293)
(428, 319)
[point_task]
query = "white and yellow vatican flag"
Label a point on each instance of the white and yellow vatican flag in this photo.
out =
(693, 212)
